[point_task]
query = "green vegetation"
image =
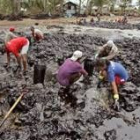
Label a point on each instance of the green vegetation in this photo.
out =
(53, 7)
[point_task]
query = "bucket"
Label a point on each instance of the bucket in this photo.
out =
(89, 66)
(39, 73)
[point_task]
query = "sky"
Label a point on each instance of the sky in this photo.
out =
(77, 1)
(134, 2)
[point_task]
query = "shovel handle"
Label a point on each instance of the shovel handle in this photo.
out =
(11, 109)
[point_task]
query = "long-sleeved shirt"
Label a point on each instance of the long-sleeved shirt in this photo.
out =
(9, 36)
(110, 54)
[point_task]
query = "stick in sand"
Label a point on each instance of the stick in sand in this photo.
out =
(11, 109)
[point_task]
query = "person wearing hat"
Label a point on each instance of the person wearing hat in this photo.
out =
(71, 70)
(108, 51)
(37, 34)
(114, 72)
(16, 45)
(10, 35)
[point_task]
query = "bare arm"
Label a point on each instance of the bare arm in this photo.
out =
(41, 36)
(101, 50)
(8, 58)
(114, 86)
(19, 59)
(110, 56)
(84, 72)
(13, 35)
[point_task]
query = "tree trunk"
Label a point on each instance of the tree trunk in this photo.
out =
(139, 5)
(44, 5)
(125, 5)
(112, 8)
(16, 6)
(80, 3)
(61, 7)
(100, 10)
(88, 8)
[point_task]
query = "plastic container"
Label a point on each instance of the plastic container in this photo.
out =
(39, 73)
(89, 66)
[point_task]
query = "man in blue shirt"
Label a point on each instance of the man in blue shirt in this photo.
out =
(114, 72)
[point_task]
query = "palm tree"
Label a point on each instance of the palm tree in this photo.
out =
(16, 6)
(139, 4)
(53, 4)
(6, 6)
(125, 4)
(61, 7)
(99, 4)
(112, 5)
(36, 6)
(88, 7)
(80, 5)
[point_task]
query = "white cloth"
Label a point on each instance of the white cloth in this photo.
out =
(25, 48)
(38, 32)
(76, 55)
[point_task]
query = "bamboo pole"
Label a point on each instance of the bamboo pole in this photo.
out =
(11, 109)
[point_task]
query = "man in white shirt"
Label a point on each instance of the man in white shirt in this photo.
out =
(37, 34)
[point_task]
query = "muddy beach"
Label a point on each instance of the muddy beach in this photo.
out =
(113, 25)
(46, 113)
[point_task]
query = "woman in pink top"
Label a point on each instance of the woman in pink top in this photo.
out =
(71, 70)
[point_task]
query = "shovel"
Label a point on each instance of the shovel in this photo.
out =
(11, 109)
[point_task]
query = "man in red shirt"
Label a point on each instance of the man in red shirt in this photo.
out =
(19, 47)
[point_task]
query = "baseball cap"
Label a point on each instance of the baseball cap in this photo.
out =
(11, 29)
(32, 28)
(110, 43)
(76, 55)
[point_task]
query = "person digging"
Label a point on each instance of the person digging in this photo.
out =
(36, 34)
(108, 51)
(10, 35)
(115, 73)
(19, 47)
(70, 71)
